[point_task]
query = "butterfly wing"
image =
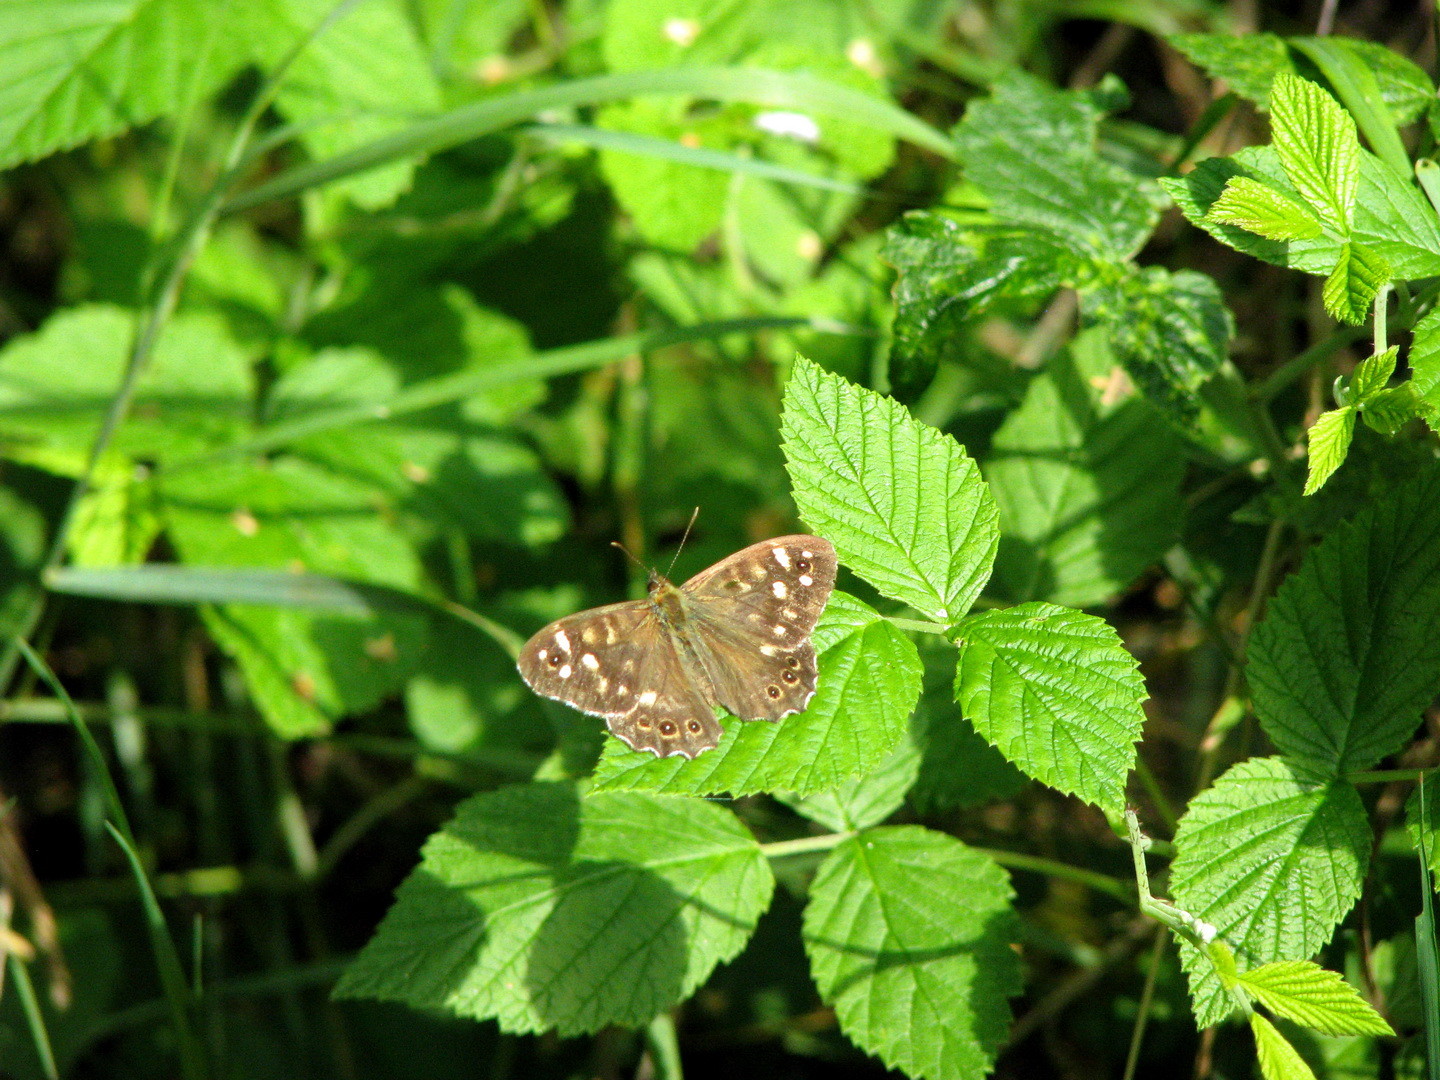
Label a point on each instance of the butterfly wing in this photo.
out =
(748, 620)
(618, 662)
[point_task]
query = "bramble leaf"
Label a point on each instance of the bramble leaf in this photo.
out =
(903, 503)
(541, 909)
(1305, 992)
(1057, 693)
(1329, 442)
(908, 933)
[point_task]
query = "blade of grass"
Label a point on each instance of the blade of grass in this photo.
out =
(34, 1018)
(1427, 954)
(776, 89)
(462, 384)
(167, 959)
(699, 156)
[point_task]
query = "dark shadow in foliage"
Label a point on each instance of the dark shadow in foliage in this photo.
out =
(1113, 445)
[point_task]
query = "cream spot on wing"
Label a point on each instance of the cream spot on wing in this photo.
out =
(604, 684)
(543, 653)
(562, 640)
(622, 689)
(629, 664)
(789, 613)
(779, 589)
(588, 635)
(808, 554)
(757, 572)
(564, 672)
(782, 557)
(779, 631)
(589, 661)
(647, 698)
(609, 633)
(806, 580)
(768, 650)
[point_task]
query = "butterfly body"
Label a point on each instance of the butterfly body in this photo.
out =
(736, 635)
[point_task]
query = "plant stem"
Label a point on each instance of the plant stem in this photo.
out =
(1147, 996)
(918, 625)
(1297, 366)
(804, 845)
(1053, 868)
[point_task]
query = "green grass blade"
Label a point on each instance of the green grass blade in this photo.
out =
(167, 959)
(34, 1018)
(1427, 955)
(777, 89)
(699, 156)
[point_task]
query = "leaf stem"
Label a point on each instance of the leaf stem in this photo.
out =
(918, 625)
(1297, 366)
(1386, 776)
(804, 845)
(1054, 868)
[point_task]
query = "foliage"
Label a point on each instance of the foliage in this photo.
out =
(340, 340)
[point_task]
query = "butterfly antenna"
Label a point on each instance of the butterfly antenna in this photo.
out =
(632, 558)
(683, 538)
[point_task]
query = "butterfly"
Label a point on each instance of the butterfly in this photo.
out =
(737, 635)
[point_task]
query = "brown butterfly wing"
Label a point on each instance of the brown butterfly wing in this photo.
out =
(749, 620)
(618, 662)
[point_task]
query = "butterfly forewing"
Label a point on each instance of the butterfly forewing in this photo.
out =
(749, 620)
(618, 662)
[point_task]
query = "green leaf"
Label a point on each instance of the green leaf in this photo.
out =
(56, 383)
(1278, 1059)
(1404, 87)
(1329, 443)
(1088, 489)
(541, 909)
(1273, 858)
(72, 70)
(902, 503)
(1031, 150)
(360, 79)
(1317, 145)
(1424, 359)
(869, 681)
(1350, 290)
(304, 669)
(1390, 409)
(867, 801)
(1348, 653)
(959, 768)
(1247, 64)
(1057, 693)
(1253, 206)
(908, 933)
(1371, 376)
(1305, 992)
(1171, 330)
(950, 275)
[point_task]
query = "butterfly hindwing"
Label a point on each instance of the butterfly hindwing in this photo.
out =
(749, 619)
(619, 663)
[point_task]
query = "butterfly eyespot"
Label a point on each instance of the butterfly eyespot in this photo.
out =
(667, 727)
(694, 726)
(789, 676)
(802, 565)
(773, 691)
(791, 661)
(555, 660)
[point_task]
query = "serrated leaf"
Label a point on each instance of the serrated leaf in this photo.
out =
(908, 933)
(1305, 992)
(1318, 147)
(1424, 358)
(1055, 691)
(949, 275)
(1391, 409)
(1251, 205)
(903, 504)
(866, 801)
(1031, 149)
(1273, 858)
(1088, 489)
(80, 69)
(1371, 375)
(869, 681)
(544, 910)
(1278, 1059)
(1248, 63)
(1348, 653)
(1329, 441)
(1351, 287)
(1171, 330)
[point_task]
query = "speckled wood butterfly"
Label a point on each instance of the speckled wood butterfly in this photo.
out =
(737, 635)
